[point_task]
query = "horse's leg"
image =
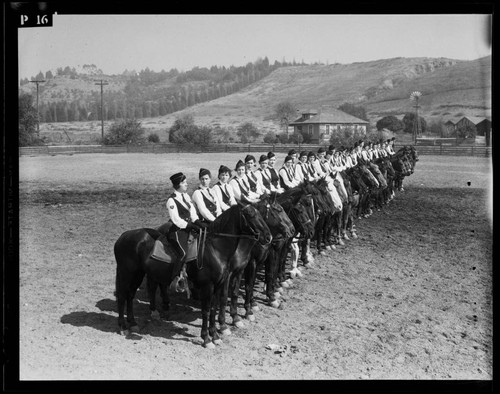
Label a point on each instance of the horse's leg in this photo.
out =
(134, 285)
(294, 257)
(319, 234)
(250, 274)
(206, 295)
(120, 300)
(234, 289)
(152, 285)
(270, 278)
(221, 297)
(165, 300)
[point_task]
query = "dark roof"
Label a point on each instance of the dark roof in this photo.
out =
(474, 119)
(330, 116)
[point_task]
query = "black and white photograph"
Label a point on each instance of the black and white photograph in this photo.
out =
(258, 197)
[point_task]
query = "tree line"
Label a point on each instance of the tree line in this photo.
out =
(148, 93)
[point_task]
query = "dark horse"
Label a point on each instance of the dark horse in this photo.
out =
(299, 207)
(238, 228)
(281, 229)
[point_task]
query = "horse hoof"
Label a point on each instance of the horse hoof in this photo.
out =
(292, 274)
(124, 333)
(274, 304)
(354, 236)
(280, 290)
(250, 317)
(134, 328)
(277, 294)
(299, 274)
(217, 342)
(290, 282)
(239, 324)
(340, 242)
(285, 284)
(328, 247)
(346, 237)
(255, 308)
(209, 345)
(322, 253)
(226, 332)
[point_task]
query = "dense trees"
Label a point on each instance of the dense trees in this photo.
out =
(247, 132)
(146, 93)
(27, 121)
(409, 121)
(391, 123)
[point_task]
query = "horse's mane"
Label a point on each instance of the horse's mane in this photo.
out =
(221, 221)
(292, 194)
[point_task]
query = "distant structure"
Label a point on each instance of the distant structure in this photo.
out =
(417, 129)
(320, 125)
(479, 126)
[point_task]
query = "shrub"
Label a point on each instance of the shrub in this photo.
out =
(390, 123)
(283, 138)
(129, 131)
(270, 138)
(153, 137)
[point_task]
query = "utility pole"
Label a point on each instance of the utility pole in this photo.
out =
(415, 96)
(102, 83)
(37, 114)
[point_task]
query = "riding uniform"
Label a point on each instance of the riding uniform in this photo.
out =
(206, 203)
(242, 190)
(181, 210)
(225, 195)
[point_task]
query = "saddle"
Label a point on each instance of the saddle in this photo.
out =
(164, 251)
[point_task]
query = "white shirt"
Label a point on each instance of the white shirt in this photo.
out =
(299, 172)
(200, 203)
(243, 181)
(317, 166)
(229, 191)
(287, 177)
(174, 214)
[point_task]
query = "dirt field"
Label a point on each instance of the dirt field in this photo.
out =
(410, 299)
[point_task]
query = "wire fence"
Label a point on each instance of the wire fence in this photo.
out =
(478, 151)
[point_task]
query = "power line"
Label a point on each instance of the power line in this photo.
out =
(37, 113)
(102, 83)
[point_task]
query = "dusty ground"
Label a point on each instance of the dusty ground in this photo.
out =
(410, 299)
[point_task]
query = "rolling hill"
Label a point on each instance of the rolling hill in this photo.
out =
(451, 89)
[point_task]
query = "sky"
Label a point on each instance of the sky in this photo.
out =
(115, 43)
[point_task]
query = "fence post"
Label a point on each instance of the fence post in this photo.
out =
(440, 149)
(472, 150)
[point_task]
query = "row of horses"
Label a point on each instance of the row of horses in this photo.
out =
(279, 230)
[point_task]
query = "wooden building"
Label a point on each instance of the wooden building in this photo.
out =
(320, 126)
(480, 126)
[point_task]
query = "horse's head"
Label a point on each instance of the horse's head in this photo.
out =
(275, 217)
(304, 215)
(253, 223)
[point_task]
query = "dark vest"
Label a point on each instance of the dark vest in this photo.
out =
(289, 176)
(252, 183)
(265, 181)
(275, 179)
(225, 197)
(209, 204)
(243, 191)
